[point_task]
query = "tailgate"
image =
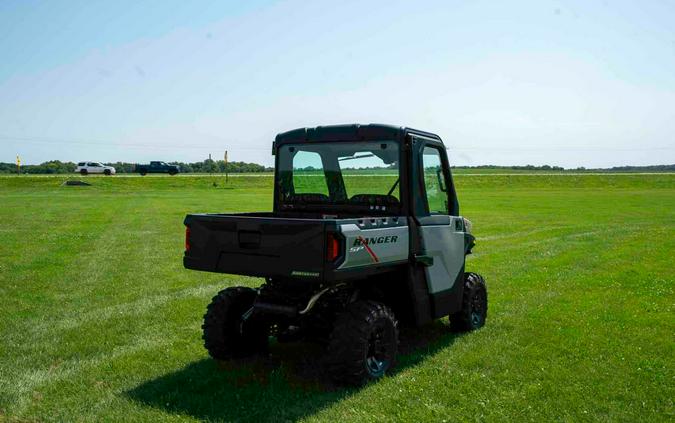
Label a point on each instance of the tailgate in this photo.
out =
(255, 246)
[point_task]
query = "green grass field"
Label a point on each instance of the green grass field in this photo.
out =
(100, 322)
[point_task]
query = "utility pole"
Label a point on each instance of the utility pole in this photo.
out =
(226, 167)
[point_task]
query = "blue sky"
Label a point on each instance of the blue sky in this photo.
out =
(570, 83)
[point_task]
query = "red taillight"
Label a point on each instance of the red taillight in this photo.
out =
(187, 239)
(333, 247)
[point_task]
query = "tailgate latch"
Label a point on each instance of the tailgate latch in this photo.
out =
(249, 239)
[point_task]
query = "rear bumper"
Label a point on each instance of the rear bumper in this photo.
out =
(256, 266)
(197, 264)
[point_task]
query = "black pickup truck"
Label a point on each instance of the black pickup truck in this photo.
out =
(365, 232)
(156, 167)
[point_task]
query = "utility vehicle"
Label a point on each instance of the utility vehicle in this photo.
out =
(365, 233)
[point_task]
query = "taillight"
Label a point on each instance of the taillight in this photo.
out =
(333, 246)
(187, 239)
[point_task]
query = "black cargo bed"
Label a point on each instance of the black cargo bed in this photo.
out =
(257, 244)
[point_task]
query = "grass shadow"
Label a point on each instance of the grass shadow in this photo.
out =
(285, 386)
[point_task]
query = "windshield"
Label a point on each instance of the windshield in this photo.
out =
(358, 176)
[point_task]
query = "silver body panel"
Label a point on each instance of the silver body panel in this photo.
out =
(445, 243)
(373, 242)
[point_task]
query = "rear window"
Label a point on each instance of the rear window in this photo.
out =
(350, 176)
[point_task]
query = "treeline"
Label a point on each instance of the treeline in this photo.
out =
(651, 168)
(207, 166)
(218, 166)
(654, 168)
(50, 167)
(526, 167)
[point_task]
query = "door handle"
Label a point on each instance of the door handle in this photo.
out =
(424, 260)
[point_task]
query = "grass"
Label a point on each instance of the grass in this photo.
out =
(100, 322)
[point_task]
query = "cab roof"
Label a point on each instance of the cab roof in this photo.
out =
(349, 132)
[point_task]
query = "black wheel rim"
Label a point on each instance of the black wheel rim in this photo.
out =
(377, 357)
(477, 308)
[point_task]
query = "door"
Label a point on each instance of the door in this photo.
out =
(93, 167)
(441, 229)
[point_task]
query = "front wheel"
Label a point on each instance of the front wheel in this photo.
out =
(227, 334)
(473, 314)
(107, 172)
(363, 344)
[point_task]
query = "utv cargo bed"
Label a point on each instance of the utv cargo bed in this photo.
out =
(256, 244)
(259, 244)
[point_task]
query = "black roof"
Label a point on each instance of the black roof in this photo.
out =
(349, 132)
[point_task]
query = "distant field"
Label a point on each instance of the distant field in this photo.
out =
(100, 322)
(456, 171)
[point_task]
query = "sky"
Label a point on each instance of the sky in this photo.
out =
(565, 83)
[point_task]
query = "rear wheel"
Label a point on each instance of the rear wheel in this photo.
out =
(473, 314)
(143, 173)
(363, 345)
(226, 334)
(83, 172)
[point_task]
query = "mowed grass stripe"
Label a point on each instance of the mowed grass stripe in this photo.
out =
(87, 281)
(91, 287)
(68, 369)
(32, 276)
(69, 273)
(39, 331)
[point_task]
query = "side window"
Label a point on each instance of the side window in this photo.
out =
(308, 175)
(81, 164)
(434, 181)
